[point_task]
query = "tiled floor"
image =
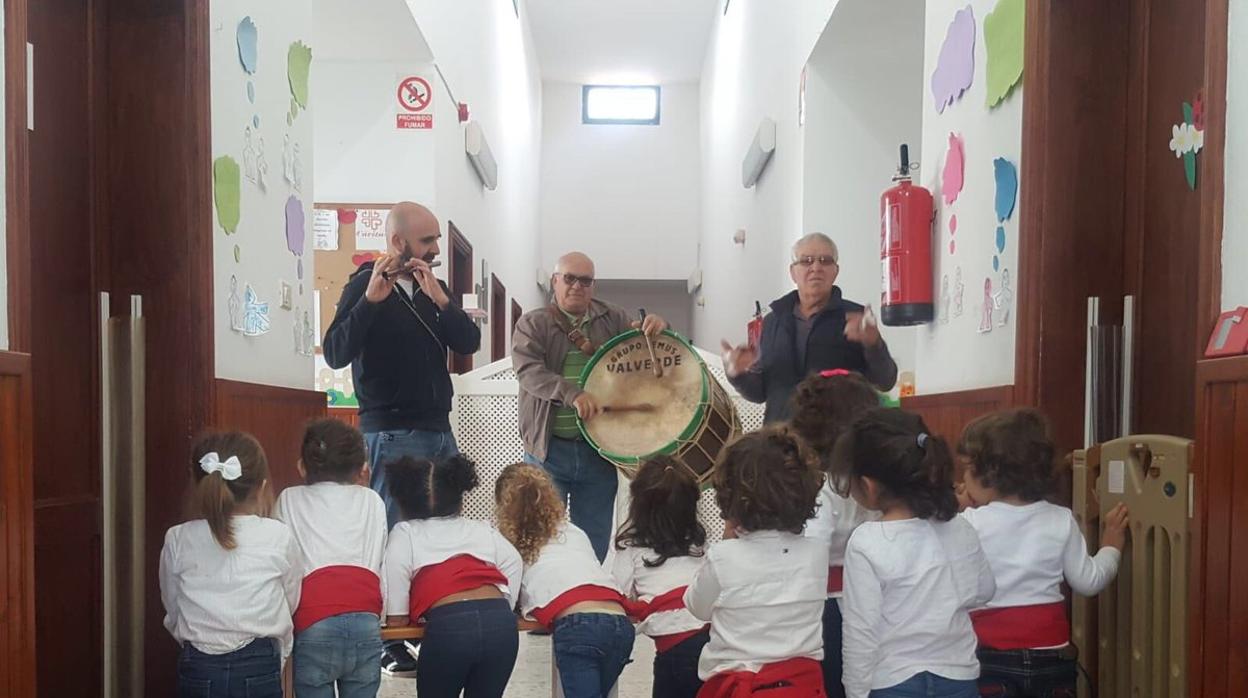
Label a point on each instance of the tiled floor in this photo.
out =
(531, 678)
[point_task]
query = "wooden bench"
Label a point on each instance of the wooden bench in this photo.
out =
(416, 632)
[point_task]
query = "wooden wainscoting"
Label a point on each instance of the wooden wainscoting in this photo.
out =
(1218, 608)
(17, 526)
(275, 416)
(350, 415)
(946, 414)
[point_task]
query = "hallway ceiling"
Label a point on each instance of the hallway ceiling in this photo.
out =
(636, 41)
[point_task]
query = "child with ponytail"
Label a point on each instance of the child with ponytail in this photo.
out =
(912, 577)
(340, 527)
(659, 549)
(824, 407)
(564, 588)
(458, 576)
(229, 577)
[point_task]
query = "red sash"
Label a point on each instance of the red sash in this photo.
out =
(836, 579)
(547, 614)
(673, 600)
(1022, 627)
(458, 574)
(335, 590)
(803, 678)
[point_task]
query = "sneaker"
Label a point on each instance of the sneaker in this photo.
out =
(399, 660)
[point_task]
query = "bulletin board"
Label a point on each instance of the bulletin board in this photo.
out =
(345, 235)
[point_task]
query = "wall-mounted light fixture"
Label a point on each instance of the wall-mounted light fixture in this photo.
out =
(759, 152)
(480, 155)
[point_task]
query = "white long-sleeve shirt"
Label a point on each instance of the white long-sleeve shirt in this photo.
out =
(566, 562)
(834, 521)
(763, 594)
(908, 588)
(220, 600)
(1033, 547)
(335, 524)
(420, 543)
(642, 583)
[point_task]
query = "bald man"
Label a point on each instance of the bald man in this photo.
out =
(393, 326)
(550, 348)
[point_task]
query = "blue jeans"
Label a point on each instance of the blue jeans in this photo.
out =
(342, 651)
(388, 446)
(591, 650)
(255, 671)
(589, 481)
(832, 663)
(469, 646)
(676, 670)
(1033, 673)
(928, 685)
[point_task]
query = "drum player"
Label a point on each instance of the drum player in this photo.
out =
(550, 348)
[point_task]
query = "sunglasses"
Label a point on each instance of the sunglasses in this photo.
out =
(823, 260)
(574, 280)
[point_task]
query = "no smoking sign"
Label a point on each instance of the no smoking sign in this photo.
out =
(415, 98)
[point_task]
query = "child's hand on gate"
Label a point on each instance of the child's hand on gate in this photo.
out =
(1114, 527)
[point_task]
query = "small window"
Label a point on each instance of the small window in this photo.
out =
(618, 104)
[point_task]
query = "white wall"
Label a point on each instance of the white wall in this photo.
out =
(265, 261)
(670, 299)
(1235, 222)
(487, 56)
(753, 66)
(864, 93)
(955, 356)
(628, 196)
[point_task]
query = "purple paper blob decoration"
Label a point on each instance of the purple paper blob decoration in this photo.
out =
(955, 69)
(294, 226)
(299, 270)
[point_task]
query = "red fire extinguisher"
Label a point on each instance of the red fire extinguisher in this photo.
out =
(906, 250)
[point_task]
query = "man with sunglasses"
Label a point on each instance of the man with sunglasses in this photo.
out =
(550, 348)
(812, 329)
(393, 326)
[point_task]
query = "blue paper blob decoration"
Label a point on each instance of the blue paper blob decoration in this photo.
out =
(1000, 239)
(996, 263)
(247, 45)
(255, 121)
(251, 92)
(1007, 187)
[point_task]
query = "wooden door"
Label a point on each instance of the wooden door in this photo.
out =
(459, 275)
(498, 319)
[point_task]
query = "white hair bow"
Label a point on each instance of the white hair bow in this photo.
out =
(230, 468)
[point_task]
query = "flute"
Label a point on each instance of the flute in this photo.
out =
(387, 275)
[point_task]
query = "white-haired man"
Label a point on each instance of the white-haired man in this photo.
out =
(809, 330)
(550, 348)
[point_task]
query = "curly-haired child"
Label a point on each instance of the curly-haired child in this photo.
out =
(564, 587)
(912, 577)
(764, 586)
(1032, 546)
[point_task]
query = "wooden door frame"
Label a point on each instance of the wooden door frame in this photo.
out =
(17, 181)
(456, 241)
(498, 319)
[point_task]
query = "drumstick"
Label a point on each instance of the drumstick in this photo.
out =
(658, 370)
(643, 407)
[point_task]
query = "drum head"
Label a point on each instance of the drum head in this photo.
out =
(621, 374)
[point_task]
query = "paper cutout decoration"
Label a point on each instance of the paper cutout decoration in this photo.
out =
(955, 69)
(955, 164)
(1006, 175)
(297, 170)
(1002, 299)
(226, 191)
(324, 229)
(1189, 137)
(953, 230)
(262, 166)
(337, 384)
(944, 299)
(247, 37)
(255, 314)
(237, 254)
(235, 306)
(251, 92)
(285, 294)
(305, 340)
(255, 121)
(294, 226)
(288, 160)
(298, 65)
(249, 157)
(370, 229)
(959, 290)
(299, 267)
(985, 318)
(1003, 40)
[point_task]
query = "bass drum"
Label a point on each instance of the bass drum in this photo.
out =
(685, 413)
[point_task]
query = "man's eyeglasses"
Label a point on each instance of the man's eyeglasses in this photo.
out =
(582, 281)
(823, 260)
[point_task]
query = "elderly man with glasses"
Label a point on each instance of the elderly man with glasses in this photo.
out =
(550, 348)
(810, 330)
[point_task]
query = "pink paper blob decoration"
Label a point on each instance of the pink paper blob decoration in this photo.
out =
(955, 69)
(955, 163)
(952, 247)
(953, 224)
